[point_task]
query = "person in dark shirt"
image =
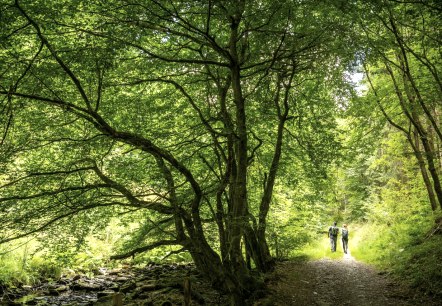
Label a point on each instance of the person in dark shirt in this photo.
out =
(333, 235)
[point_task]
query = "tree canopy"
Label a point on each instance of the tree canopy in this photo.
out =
(184, 117)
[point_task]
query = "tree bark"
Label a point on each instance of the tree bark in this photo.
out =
(421, 162)
(415, 121)
(413, 140)
(408, 78)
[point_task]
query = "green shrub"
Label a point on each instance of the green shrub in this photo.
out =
(421, 265)
(43, 268)
(402, 249)
(13, 263)
(12, 272)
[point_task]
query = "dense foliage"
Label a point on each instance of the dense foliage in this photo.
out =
(228, 132)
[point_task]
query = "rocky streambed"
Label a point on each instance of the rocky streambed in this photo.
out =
(151, 285)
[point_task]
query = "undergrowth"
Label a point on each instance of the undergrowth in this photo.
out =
(405, 250)
(409, 251)
(19, 265)
(320, 248)
(423, 265)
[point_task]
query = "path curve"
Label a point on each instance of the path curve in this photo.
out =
(344, 282)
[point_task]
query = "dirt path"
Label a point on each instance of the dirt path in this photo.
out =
(337, 283)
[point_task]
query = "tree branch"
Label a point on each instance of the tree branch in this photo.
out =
(145, 248)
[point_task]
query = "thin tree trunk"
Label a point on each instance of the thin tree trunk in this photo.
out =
(414, 141)
(261, 251)
(421, 162)
(408, 78)
(414, 119)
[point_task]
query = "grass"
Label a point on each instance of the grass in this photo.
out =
(421, 265)
(320, 248)
(19, 266)
(404, 250)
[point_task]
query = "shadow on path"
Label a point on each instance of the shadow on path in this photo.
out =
(337, 282)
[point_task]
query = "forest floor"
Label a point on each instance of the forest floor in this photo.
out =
(338, 282)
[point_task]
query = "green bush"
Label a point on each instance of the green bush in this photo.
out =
(12, 272)
(421, 265)
(20, 265)
(405, 250)
(43, 268)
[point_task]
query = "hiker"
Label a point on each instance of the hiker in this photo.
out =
(333, 235)
(344, 234)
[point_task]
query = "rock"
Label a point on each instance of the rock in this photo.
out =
(144, 277)
(128, 287)
(62, 288)
(26, 300)
(100, 276)
(114, 286)
(53, 292)
(121, 279)
(48, 293)
(115, 271)
(82, 285)
(101, 271)
(27, 287)
(148, 287)
(105, 293)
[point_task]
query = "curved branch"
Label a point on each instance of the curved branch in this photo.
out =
(54, 220)
(406, 69)
(186, 95)
(129, 196)
(79, 111)
(125, 137)
(154, 55)
(378, 102)
(145, 248)
(35, 174)
(55, 192)
(260, 142)
(55, 55)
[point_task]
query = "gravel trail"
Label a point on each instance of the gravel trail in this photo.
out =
(344, 282)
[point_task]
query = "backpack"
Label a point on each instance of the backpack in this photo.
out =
(344, 234)
(334, 230)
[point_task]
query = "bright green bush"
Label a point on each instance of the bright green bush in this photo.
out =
(12, 272)
(20, 264)
(42, 268)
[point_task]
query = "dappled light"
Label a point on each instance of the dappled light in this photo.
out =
(159, 152)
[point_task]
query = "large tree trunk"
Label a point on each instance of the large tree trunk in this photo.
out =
(235, 263)
(206, 260)
(283, 116)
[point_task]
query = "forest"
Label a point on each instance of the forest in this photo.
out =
(225, 135)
